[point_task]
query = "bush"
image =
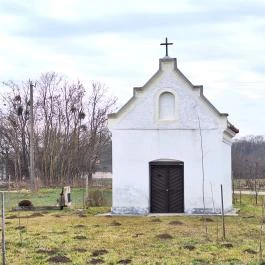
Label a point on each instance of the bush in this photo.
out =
(25, 203)
(95, 198)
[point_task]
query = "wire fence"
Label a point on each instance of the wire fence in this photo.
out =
(49, 196)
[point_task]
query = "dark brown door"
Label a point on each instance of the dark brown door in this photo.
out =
(167, 187)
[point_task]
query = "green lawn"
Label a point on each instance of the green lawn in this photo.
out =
(79, 237)
(48, 197)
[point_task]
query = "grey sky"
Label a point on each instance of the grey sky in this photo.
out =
(219, 44)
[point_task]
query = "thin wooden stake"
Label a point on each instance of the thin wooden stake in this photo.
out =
(240, 192)
(255, 183)
(223, 217)
(84, 191)
(217, 225)
(233, 189)
(87, 185)
(20, 232)
(3, 231)
(261, 231)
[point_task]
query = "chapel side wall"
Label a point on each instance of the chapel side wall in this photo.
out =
(133, 150)
(219, 174)
(217, 171)
(227, 175)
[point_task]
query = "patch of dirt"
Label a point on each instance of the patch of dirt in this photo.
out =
(176, 223)
(36, 215)
(155, 220)
(248, 216)
(96, 261)
(200, 261)
(250, 251)
(207, 219)
(44, 212)
(82, 250)
(115, 223)
(58, 215)
(21, 227)
(96, 225)
(125, 261)
(164, 236)
(59, 259)
(60, 232)
(189, 247)
(80, 237)
(234, 261)
(138, 234)
(47, 251)
(12, 216)
(99, 252)
(227, 245)
(79, 226)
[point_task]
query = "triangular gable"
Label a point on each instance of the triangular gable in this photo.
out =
(140, 89)
(199, 89)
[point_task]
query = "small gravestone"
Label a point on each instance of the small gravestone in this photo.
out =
(67, 196)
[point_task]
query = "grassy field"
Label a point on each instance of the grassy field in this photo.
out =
(80, 237)
(48, 197)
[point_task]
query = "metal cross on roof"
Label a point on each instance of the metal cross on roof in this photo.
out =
(166, 44)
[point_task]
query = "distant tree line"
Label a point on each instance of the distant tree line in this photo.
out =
(248, 158)
(69, 129)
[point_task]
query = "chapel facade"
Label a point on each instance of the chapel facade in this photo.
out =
(171, 148)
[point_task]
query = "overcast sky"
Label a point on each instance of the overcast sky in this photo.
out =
(218, 44)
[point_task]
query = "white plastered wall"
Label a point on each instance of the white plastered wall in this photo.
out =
(140, 137)
(131, 173)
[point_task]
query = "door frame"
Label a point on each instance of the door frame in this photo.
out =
(164, 163)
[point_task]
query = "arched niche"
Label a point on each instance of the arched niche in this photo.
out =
(166, 106)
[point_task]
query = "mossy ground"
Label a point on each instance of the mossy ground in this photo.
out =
(80, 237)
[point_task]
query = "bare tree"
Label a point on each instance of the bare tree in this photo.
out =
(99, 105)
(70, 129)
(15, 133)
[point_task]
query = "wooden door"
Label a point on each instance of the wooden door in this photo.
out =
(167, 187)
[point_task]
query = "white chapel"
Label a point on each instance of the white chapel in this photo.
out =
(171, 148)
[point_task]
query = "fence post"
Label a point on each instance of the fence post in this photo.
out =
(223, 217)
(3, 230)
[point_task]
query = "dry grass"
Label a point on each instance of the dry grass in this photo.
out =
(47, 239)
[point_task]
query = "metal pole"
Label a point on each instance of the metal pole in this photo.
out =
(223, 217)
(3, 230)
(32, 176)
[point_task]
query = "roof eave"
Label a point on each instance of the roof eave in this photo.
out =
(229, 133)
